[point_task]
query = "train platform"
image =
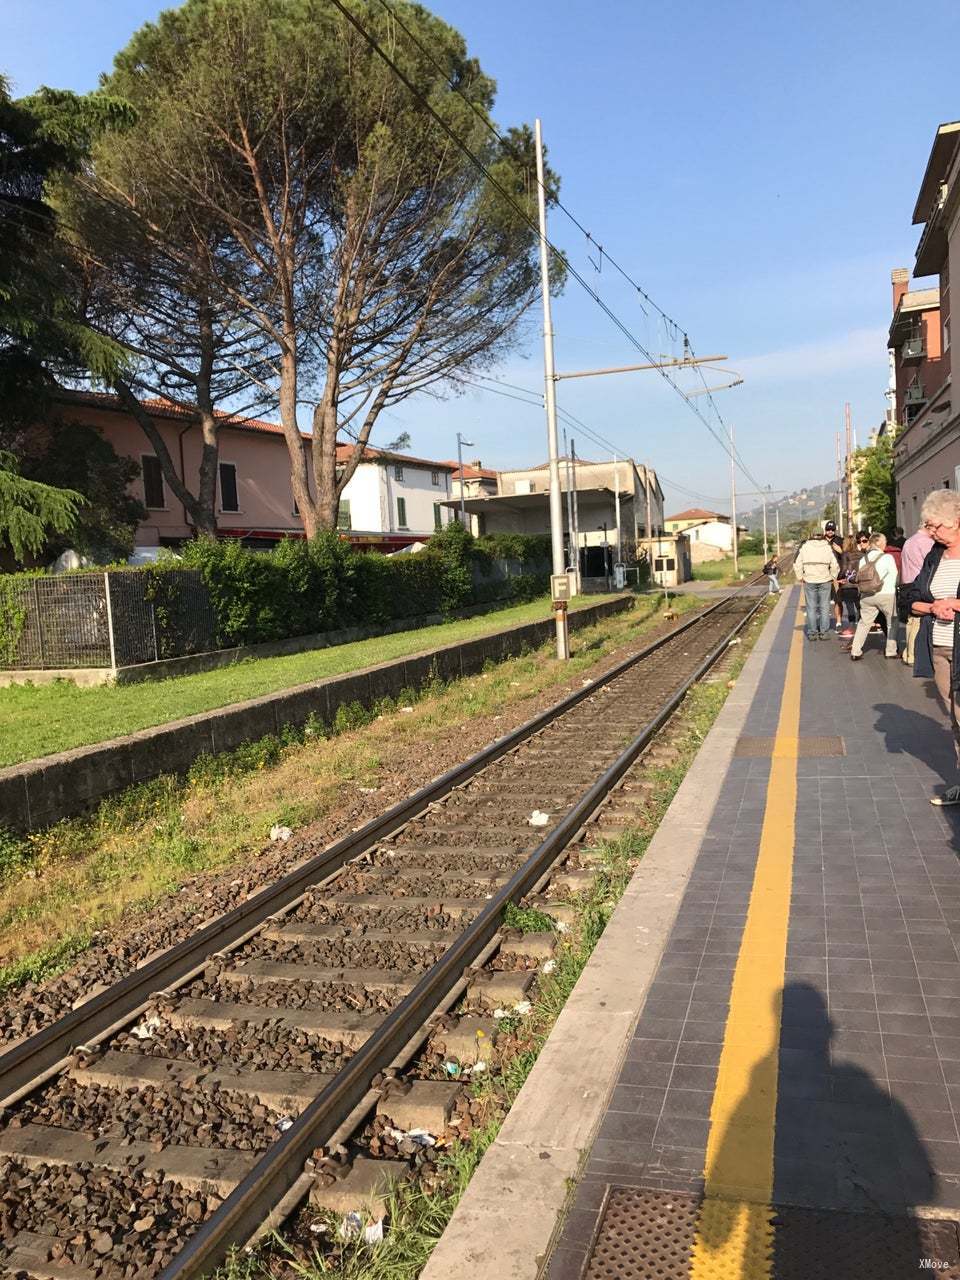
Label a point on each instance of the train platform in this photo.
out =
(758, 1075)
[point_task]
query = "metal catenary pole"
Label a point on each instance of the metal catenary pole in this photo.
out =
(576, 511)
(778, 533)
(840, 504)
(733, 504)
(571, 562)
(764, 525)
(847, 469)
(616, 487)
(550, 388)
(463, 512)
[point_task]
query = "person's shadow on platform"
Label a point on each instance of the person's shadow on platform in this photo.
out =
(878, 1163)
(913, 733)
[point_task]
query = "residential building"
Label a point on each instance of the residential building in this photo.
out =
(390, 501)
(710, 533)
(926, 416)
(475, 481)
(521, 504)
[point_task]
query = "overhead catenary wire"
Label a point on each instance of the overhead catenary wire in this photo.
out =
(723, 440)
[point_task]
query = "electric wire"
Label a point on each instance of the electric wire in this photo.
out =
(558, 203)
(723, 441)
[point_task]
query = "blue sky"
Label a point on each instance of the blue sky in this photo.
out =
(753, 165)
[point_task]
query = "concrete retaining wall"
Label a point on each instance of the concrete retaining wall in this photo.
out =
(40, 792)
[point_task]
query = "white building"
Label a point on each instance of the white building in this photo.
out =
(392, 500)
(519, 502)
(710, 533)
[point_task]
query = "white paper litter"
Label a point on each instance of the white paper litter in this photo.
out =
(548, 966)
(538, 818)
(561, 926)
(144, 1030)
(420, 1136)
(352, 1225)
(407, 711)
(284, 1123)
(500, 1013)
(522, 1007)
(478, 1067)
(280, 833)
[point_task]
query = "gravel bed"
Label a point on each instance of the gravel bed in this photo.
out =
(270, 1048)
(423, 885)
(314, 910)
(194, 1117)
(334, 996)
(118, 1225)
(352, 952)
(464, 860)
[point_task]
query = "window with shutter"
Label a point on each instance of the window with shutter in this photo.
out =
(229, 500)
(402, 512)
(343, 514)
(153, 491)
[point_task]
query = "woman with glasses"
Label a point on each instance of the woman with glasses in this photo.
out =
(934, 597)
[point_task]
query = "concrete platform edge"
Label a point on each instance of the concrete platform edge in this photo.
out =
(511, 1212)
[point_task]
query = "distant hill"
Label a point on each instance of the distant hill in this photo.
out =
(804, 504)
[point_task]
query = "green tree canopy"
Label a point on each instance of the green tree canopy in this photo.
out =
(43, 333)
(875, 484)
(30, 511)
(350, 235)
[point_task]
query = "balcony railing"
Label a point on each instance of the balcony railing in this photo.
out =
(913, 348)
(914, 394)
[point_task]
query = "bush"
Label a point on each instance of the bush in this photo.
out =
(528, 548)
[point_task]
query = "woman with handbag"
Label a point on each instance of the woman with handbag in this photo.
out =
(848, 595)
(877, 584)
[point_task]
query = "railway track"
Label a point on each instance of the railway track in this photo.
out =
(197, 1100)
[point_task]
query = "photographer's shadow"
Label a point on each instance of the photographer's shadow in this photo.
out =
(840, 1142)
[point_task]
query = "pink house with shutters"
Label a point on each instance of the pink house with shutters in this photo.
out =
(389, 502)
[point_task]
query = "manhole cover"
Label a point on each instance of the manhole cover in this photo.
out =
(652, 1235)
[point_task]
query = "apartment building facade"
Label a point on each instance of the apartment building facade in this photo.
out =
(925, 413)
(389, 502)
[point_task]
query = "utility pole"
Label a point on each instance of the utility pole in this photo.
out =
(576, 510)
(733, 504)
(765, 525)
(571, 564)
(460, 443)
(846, 418)
(550, 397)
(840, 499)
(778, 533)
(616, 487)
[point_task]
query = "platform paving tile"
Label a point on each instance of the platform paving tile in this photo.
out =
(868, 1105)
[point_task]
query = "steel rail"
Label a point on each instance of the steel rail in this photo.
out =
(40, 1053)
(237, 1219)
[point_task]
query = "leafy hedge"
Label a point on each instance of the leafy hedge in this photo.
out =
(301, 588)
(323, 585)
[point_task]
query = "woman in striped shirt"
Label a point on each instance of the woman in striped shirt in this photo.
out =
(934, 597)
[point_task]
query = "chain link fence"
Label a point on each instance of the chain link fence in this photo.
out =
(111, 619)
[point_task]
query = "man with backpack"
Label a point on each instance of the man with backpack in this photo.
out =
(877, 584)
(816, 567)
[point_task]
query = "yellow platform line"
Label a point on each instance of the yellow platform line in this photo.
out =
(734, 1239)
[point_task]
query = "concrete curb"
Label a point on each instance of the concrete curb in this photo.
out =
(39, 792)
(509, 1215)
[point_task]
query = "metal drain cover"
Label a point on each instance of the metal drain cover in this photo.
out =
(650, 1235)
(752, 748)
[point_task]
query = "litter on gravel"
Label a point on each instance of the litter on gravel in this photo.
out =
(538, 818)
(280, 833)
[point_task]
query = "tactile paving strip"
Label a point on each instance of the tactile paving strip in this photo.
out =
(751, 748)
(649, 1235)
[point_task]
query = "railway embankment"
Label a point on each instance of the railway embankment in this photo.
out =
(38, 793)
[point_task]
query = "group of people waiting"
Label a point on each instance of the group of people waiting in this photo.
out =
(867, 582)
